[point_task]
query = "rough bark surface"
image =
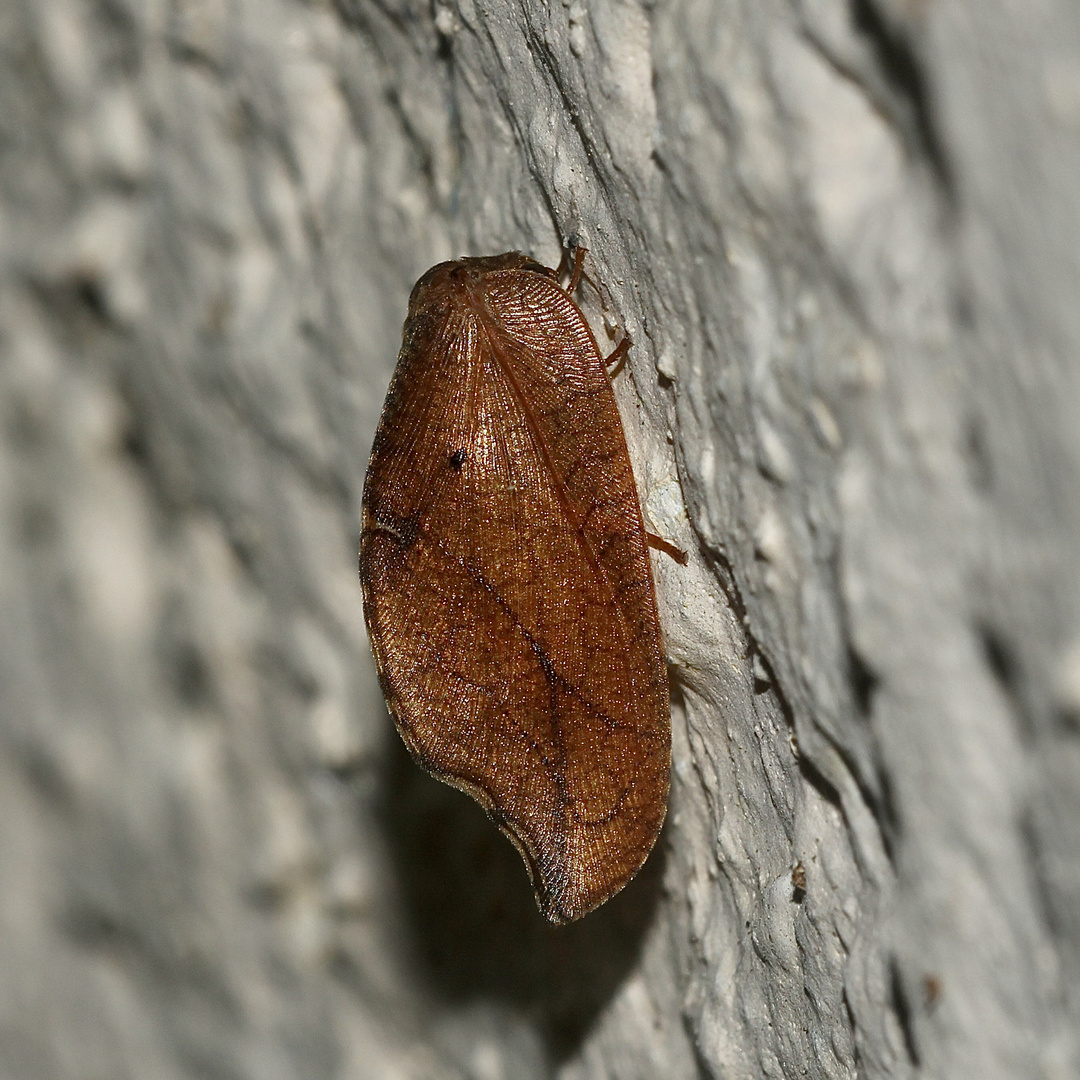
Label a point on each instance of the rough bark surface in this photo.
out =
(843, 237)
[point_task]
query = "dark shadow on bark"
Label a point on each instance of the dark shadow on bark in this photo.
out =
(906, 74)
(476, 931)
(901, 1007)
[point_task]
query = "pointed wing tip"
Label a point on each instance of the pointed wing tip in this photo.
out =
(569, 896)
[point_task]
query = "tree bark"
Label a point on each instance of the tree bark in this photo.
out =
(842, 236)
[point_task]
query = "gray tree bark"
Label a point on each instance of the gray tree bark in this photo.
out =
(843, 237)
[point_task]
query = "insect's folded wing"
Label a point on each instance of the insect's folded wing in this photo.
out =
(554, 360)
(506, 663)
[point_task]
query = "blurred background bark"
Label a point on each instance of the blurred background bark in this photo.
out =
(843, 236)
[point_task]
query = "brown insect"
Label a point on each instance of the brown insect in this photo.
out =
(506, 578)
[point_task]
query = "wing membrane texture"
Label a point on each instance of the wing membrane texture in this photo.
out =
(507, 582)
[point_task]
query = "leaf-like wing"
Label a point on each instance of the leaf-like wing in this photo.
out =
(508, 589)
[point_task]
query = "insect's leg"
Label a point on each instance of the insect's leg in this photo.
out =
(660, 544)
(617, 358)
(578, 271)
